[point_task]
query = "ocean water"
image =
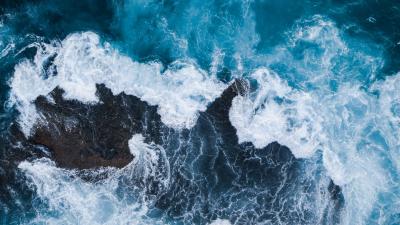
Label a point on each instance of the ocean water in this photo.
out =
(315, 138)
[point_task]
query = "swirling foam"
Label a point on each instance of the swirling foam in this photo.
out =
(309, 99)
(72, 200)
(355, 127)
(277, 112)
(81, 61)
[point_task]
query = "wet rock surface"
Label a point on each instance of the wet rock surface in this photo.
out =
(212, 175)
(87, 136)
(83, 136)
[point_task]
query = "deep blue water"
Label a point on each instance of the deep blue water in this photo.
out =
(324, 82)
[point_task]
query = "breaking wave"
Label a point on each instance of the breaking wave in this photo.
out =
(313, 138)
(81, 61)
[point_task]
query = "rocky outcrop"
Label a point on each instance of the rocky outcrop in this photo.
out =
(93, 135)
(90, 135)
(207, 165)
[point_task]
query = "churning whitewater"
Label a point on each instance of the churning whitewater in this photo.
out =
(193, 112)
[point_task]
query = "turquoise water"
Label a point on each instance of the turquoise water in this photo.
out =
(323, 81)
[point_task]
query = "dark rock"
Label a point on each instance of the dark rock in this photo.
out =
(211, 174)
(93, 135)
(86, 136)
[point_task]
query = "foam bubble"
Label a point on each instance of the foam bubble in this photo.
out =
(81, 61)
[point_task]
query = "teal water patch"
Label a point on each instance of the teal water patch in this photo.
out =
(328, 91)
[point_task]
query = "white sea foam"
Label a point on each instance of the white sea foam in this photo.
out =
(75, 201)
(82, 61)
(150, 162)
(220, 222)
(356, 130)
(277, 113)
(71, 200)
